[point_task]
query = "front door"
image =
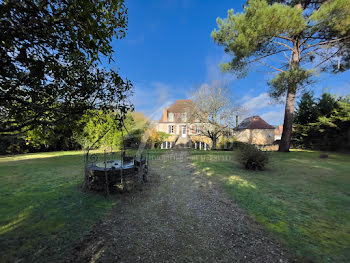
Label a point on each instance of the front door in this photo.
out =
(183, 131)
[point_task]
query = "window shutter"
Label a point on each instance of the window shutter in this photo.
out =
(174, 129)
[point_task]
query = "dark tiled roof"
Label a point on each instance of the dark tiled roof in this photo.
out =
(181, 106)
(254, 122)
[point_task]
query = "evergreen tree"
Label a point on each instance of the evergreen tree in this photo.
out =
(330, 130)
(306, 111)
(326, 104)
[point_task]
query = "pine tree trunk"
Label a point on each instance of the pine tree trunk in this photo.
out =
(288, 122)
(290, 101)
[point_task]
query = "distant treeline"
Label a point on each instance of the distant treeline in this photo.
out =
(78, 133)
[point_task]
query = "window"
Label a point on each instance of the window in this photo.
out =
(171, 116)
(198, 130)
(171, 129)
(166, 145)
(227, 134)
(184, 116)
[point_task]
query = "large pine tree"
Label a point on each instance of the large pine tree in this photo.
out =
(307, 35)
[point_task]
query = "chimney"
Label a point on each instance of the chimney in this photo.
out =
(236, 121)
(165, 115)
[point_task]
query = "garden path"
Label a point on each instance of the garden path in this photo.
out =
(180, 216)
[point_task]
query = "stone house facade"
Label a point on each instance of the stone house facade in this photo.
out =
(255, 130)
(184, 129)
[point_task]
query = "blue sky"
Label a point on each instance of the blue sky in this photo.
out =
(168, 51)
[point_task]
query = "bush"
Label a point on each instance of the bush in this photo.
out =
(252, 158)
(323, 155)
(226, 144)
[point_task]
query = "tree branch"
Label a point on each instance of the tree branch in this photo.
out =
(286, 38)
(280, 70)
(326, 42)
(310, 52)
(328, 58)
(285, 45)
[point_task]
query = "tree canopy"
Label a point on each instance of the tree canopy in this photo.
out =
(215, 109)
(306, 111)
(50, 61)
(324, 124)
(308, 35)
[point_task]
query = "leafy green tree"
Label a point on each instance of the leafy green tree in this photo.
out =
(102, 129)
(108, 131)
(55, 137)
(50, 53)
(302, 32)
(155, 138)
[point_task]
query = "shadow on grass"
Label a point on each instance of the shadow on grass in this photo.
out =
(56, 220)
(42, 209)
(300, 198)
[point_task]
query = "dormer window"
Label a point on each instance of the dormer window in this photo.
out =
(171, 117)
(184, 116)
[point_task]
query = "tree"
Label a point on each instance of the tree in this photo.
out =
(103, 129)
(155, 138)
(55, 137)
(330, 128)
(303, 33)
(326, 104)
(215, 109)
(50, 61)
(306, 111)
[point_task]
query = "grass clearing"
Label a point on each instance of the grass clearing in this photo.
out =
(42, 210)
(302, 199)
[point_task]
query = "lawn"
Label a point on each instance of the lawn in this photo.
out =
(42, 210)
(301, 199)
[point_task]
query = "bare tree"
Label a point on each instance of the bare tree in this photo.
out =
(215, 109)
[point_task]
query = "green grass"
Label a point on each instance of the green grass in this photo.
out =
(301, 199)
(43, 212)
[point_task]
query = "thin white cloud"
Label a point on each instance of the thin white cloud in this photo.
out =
(264, 106)
(162, 91)
(213, 71)
(152, 98)
(254, 104)
(273, 117)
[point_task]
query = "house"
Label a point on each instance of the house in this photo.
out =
(278, 132)
(255, 130)
(181, 124)
(185, 130)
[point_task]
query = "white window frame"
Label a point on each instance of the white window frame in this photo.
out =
(184, 116)
(198, 130)
(171, 129)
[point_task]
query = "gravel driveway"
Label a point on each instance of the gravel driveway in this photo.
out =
(180, 216)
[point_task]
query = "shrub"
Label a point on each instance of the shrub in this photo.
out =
(239, 145)
(252, 158)
(227, 143)
(323, 155)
